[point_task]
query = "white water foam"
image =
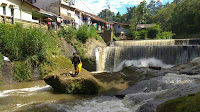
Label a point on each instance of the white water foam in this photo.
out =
(102, 104)
(97, 104)
(24, 90)
(179, 79)
(142, 63)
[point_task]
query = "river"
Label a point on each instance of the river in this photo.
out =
(144, 96)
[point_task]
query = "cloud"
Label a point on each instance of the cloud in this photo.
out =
(96, 6)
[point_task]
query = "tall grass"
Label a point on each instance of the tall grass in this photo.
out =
(77, 37)
(68, 32)
(28, 48)
(18, 43)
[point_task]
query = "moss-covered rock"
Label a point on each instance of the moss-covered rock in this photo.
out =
(188, 103)
(72, 85)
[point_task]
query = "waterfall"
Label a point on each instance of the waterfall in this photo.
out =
(163, 42)
(115, 57)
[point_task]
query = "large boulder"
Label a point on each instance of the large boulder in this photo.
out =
(72, 85)
(191, 68)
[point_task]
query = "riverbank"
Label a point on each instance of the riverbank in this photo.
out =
(34, 53)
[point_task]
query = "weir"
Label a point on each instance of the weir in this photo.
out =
(163, 42)
(163, 53)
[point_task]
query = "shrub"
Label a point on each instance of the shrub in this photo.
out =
(93, 33)
(165, 35)
(133, 34)
(29, 47)
(152, 32)
(19, 43)
(23, 70)
(142, 34)
(68, 33)
(83, 33)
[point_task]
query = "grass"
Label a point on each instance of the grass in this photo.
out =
(54, 62)
(190, 103)
(31, 47)
(79, 37)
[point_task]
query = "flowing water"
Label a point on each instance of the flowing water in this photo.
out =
(115, 58)
(163, 42)
(143, 96)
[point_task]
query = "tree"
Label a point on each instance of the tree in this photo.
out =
(117, 17)
(177, 1)
(138, 15)
(185, 18)
(107, 15)
(163, 17)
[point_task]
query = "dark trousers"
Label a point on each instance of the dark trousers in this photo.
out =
(75, 67)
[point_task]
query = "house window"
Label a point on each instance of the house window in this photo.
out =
(12, 11)
(69, 14)
(4, 10)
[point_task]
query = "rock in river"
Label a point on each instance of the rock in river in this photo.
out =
(72, 85)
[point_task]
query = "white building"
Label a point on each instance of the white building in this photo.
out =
(17, 9)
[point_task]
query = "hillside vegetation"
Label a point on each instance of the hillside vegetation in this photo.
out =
(31, 47)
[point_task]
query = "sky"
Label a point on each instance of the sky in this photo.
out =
(95, 6)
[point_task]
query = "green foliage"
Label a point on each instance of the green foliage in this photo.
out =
(81, 86)
(185, 18)
(118, 17)
(83, 33)
(165, 35)
(152, 32)
(30, 47)
(138, 34)
(93, 33)
(54, 62)
(163, 17)
(107, 15)
(68, 33)
(19, 43)
(183, 104)
(133, 34)
(138, 15)
(23, 70)
(78, 37)
(142, 34)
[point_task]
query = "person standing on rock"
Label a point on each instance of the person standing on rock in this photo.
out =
(76, 60)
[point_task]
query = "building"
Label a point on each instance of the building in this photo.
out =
(62, 8)
(16, 10)
(66, 14)
(82, 17)
(121, 30)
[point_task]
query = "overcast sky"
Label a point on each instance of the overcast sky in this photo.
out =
(95, 6)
